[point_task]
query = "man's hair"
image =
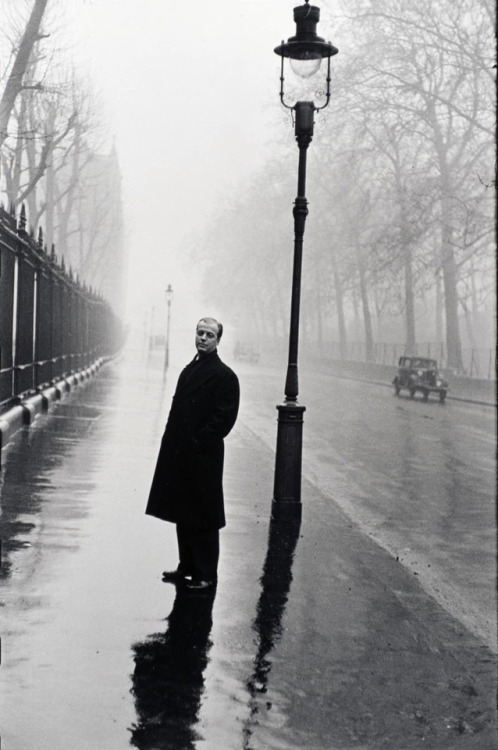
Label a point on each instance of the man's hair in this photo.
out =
(213, 320)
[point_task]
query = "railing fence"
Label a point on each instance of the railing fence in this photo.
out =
(51, 325)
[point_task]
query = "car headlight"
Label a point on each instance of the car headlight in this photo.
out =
(438, 383)
(420, 373)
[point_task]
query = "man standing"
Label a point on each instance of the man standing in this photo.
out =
(187, 486)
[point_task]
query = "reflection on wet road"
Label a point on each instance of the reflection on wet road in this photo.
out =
(34, 460)
(319, 637)
(72, 591)
(275, 587)
(168, 679)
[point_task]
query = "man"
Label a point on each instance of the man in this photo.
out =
(187, 486)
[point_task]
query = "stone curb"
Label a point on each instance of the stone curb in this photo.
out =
(479, 392)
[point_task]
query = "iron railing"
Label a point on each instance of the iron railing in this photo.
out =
(51, 325)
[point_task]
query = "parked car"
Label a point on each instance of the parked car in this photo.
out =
(245, 353)
(420, 374)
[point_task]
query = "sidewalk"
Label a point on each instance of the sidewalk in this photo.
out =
(316, 637)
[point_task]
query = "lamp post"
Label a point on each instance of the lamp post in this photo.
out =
(151, 334)
(169, 297)
(305, 51)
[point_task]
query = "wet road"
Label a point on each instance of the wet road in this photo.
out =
(377, 632)
(418, 477)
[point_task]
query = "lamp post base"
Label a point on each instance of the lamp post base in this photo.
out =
(286, 504)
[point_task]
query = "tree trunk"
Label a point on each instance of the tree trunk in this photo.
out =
(18, 153)
(64, 210)
(367, 317)
(31, 197)
(411, 341)
(49, 184)
(49, 208)
(475, 304)
(14, 83)
(451, 302)
(339, 303)
(450, 276)
(439, 297)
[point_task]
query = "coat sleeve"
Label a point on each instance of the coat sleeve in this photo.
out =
(224, 412)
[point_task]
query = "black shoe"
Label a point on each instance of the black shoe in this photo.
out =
(174, 576)
(200, 585)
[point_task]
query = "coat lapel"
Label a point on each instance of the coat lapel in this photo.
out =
(203, 371)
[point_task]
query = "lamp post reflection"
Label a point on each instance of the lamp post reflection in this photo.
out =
(276, 581)
(168, 679)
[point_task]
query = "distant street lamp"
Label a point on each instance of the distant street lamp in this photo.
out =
(151, 334)
(169, 297)
(305, 51)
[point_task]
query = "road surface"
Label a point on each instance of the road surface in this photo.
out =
(418, 477)
(372, 626)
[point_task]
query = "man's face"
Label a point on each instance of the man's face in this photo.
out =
(206, 337)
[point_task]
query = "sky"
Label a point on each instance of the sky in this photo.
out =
(190, 91)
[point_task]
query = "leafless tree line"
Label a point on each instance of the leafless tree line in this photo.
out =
(54, 155)
(401, 186)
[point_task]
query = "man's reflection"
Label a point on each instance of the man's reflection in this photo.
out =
(275, 586)
(168, 680)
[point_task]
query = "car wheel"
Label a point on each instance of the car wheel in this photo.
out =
(425, 394)
(412, 392)
(442, 396)
(396, 389)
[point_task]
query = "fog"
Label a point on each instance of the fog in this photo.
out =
(189, 91)
(399, 245)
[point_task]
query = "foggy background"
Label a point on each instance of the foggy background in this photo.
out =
(187, 171)
(190, 92)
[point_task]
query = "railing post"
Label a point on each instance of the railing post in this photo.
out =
(8, 250)
(25, 311)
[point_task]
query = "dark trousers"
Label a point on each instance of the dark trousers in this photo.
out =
(199, 551)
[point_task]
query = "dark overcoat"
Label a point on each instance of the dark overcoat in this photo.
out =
(187, 486)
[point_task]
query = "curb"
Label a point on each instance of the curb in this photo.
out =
(463, 399)
(25, 412)
(10, 422)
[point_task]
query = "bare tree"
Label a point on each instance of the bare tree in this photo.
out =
(55, 160)
(427, 69)
(15, 81)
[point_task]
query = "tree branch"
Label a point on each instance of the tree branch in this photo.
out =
(14, 83)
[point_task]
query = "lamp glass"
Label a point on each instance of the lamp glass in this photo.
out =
(306, 68)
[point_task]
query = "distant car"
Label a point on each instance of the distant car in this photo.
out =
(420, 374)
(245, 353)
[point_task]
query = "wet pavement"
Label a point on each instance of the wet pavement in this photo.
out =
(419, 478)
(369, 626)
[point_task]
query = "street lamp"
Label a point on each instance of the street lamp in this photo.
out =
(305, 51)
(169, 296)
(151, 334)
